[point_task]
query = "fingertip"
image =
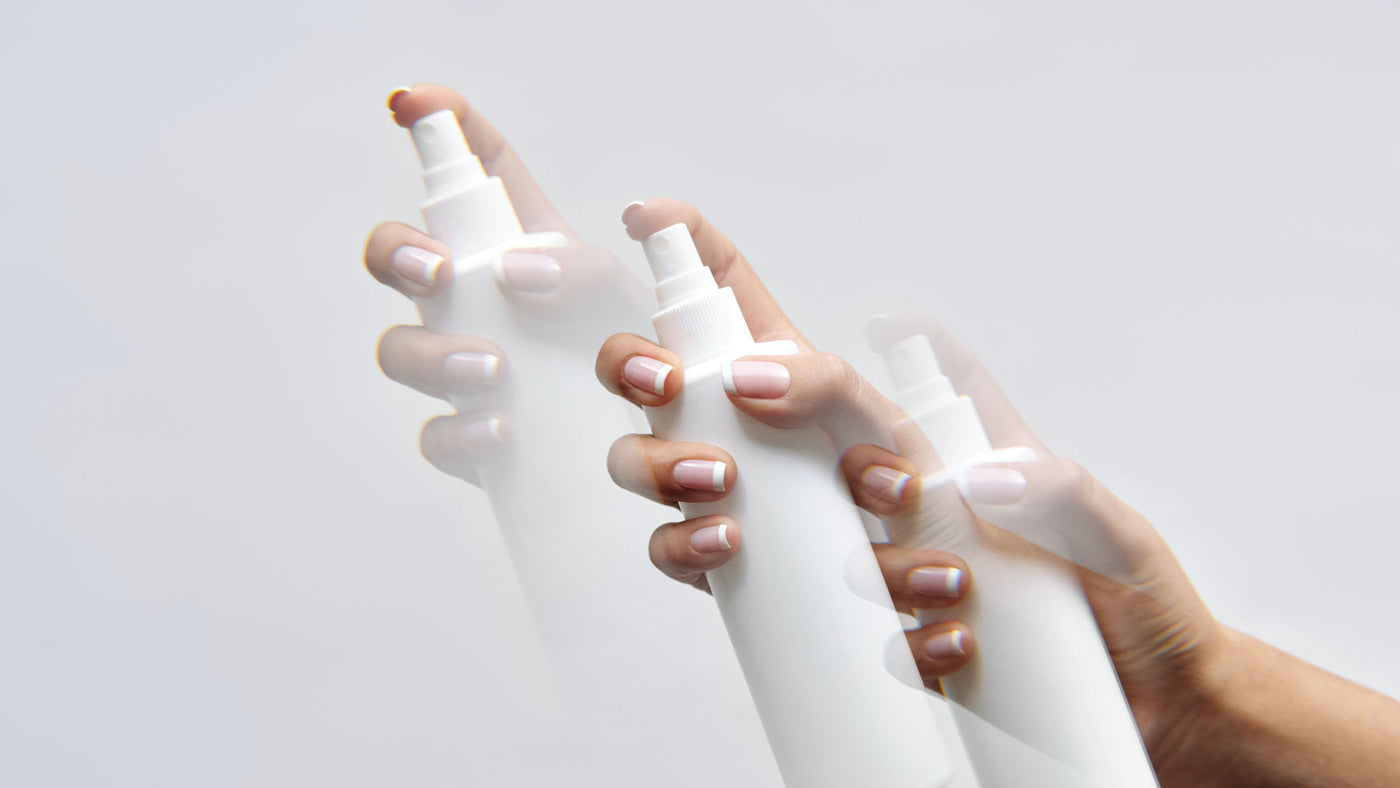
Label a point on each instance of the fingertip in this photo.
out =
(648, 376)
(643, 218)
(687, 549)
(411, 104)
(629, 214)
(945, 649)
(715, 538)
(395, 95)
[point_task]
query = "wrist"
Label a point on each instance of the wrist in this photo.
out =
(1191, 735)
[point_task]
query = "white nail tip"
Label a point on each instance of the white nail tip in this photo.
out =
(957, 639)
(661, 374)
(489, 369)
(724, 535)
(493, 425)
(718, 478)
(726, 376)
(419, 265)
(951, 583)
(898, 485)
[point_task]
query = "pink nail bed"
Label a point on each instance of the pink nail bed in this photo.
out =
(707, 475)
(711, 539)
(756, 379)
(417, 265)
(936, 581)
(946, 645)
(472, 369)
(529, 272)
(884, 483)
(646, 373)
(994, 486)
(486, 432)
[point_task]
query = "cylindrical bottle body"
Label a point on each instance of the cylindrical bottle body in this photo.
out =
(805, 605)
(578, 545)
(1039, 703)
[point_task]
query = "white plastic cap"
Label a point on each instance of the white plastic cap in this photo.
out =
(676, 266)
(448, 164)
(465, 209)
(697, 320)
(919, 381)
(949, 422)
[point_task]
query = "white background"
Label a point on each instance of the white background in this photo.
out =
(1170, 229)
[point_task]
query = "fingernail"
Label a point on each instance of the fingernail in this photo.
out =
(995, 486)
(482, 433)
(419, 266)
(710, 539)
(937, 581)
(646, 373)
(945, 645)
(758, 379)
(529, 272)
(395, 93)
(631, 206)
(472, 369)
(700, 474)
(887, 484)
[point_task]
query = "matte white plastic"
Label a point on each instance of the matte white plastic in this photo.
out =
(808, 613)
(577, 542)
(1040, 703)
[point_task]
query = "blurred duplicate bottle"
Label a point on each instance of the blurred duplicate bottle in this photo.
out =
(1039, 703)
(638, 658)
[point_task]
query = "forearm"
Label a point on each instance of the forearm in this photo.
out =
(1265, 718)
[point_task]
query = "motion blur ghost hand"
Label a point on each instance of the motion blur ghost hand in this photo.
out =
(559, 283)
(1207, 699)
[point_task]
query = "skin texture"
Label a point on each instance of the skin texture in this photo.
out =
(1215, 707)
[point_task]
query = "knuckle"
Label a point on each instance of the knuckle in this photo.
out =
(664, 550)
(620, 454)
(1073, 485)
(837, 375)
(390, 349)
(430, 440)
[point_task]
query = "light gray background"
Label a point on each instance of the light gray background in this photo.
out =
(1169, 228)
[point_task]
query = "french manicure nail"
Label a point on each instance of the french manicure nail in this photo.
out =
(472, 369)
(710, 539)
(529, 272)
(647, 373)
(483, 433)
(993, 486)
(945, 645)
(757, 379)
(395, 93)
(419, 266)
(631, 206)
(705, 475)
(937, 581)
(884, 483)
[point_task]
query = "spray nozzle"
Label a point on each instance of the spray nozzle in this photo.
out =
(912, 361)
(950, 422)
(448, 164)
(675, 264)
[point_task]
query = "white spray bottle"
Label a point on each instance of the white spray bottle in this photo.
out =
(807, 610)
(570, 532)
(1040, 703)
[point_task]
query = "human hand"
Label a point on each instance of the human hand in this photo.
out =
(554, 291)
(789, 391)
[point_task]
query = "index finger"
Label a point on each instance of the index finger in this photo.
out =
(532, 207)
